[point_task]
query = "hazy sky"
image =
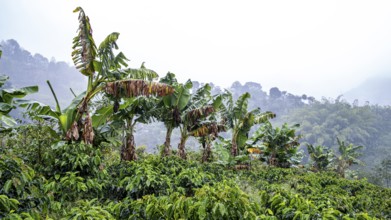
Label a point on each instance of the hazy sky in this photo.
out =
(320, 48)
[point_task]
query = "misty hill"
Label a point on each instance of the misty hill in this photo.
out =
(375, 90)
(25, 69)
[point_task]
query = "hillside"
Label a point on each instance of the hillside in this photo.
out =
(25, 69)
(374, 90)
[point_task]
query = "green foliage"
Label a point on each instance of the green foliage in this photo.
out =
(8, 102)
(240, 120)
(368, 126)
(32, 143)
(42, 177)
(7, 205)
(85, 210)
(383, 172)
(348, 155)
(280, 144)
(321, 156)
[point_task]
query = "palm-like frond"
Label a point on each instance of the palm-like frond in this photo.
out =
(109, 63)
(169, 79)
(84, 48)
(142, 73)
(201, 94)
(240, 108)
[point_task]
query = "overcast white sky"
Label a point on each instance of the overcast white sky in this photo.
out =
(320, 48)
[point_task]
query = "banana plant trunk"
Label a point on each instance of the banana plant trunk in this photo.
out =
(128, 151)
(181, 147)
(273, 159)
(234, 147)
(167, 143)
(206, 156)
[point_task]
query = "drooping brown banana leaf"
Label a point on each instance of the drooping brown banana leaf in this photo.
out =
(208, 129)
(84, 48)
(133, 88)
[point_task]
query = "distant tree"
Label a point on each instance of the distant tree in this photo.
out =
(240, 120)
(280, 144)
(275, 93)
(348, 155)
(321, 156)
(383, 172)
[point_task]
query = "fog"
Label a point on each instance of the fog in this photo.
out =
(305, 47)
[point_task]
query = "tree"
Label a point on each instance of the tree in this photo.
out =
(321, 156)
(172, 106)
(280, 144)
(240, 120)
(275, 93)
(383, 171)
(197, 110)
(106, 71)
(139, 105)
(206, 134)
(348, 155)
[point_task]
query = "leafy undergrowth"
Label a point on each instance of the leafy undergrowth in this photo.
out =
(83, 187)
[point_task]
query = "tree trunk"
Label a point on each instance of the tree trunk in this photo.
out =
(167, 143)
(206, 156)
(128, 151)
(181, 148)
(234, 147)
(341, 168)
(273, 159)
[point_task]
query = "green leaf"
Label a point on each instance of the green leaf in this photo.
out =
(7, 186)
(38, 109)
(5, 107)
(7, 121)
(67, 119)
(202, 211)
(101, 115)
(222, 209)
(3, 79)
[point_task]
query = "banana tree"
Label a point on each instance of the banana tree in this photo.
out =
(8, 102)
(133, 111)
(348, 155)
(172, 106)
(198, 111)
(240, 120)
(105, 71)
(321, 156)
(280, 144)
(138, 97)
(206, 133)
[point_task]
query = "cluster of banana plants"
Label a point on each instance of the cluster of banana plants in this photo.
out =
(130, 96)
